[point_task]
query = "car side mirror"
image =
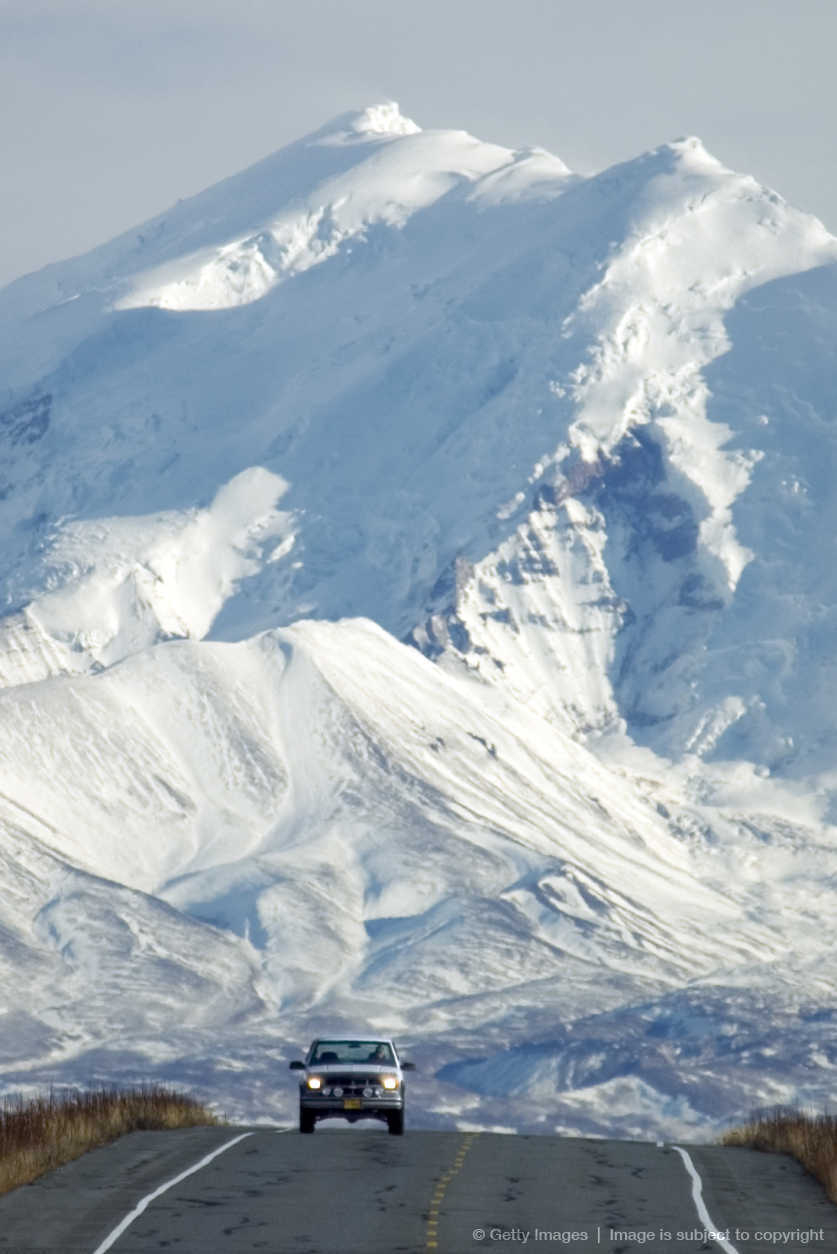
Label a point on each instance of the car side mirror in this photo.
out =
(296, 1065)
(408, 1066)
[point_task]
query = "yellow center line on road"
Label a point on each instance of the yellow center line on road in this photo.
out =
(441, 1187)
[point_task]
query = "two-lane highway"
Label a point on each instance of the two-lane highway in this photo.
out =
(360, 1191)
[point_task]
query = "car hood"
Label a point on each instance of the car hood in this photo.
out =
(353, 1068)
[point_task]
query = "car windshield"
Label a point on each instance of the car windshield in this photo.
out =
(352, 1051)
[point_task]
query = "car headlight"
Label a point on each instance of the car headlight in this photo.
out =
(314, 1082)
(390, 1081)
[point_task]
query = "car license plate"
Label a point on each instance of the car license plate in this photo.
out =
(352, 1103)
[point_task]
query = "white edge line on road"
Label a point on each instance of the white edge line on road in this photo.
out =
(140, 1206)
(700, 1206)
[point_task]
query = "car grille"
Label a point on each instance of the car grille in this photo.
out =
(352, 1085)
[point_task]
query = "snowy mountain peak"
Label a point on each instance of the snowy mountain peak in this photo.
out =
(691, 151)
(418, 579)
(375, 120)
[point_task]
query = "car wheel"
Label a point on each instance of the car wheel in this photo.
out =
(306, 1120)
(395, 1122)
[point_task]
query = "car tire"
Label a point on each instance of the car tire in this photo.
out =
(306, 1120)
(395, 1122)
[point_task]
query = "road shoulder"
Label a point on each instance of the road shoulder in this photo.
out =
(754, 1193)
(72, 1209)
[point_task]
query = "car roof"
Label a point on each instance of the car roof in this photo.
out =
(360, 1036)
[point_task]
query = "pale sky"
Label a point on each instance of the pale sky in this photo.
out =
(111, 110)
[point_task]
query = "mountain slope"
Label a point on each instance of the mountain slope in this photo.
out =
(392, 393)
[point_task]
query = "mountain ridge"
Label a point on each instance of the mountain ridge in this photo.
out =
(433, 629)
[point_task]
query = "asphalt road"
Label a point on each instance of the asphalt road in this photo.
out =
(360, 1191)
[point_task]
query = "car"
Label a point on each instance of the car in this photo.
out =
(358, 1077)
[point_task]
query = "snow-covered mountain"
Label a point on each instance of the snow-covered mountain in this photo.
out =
(419, 608)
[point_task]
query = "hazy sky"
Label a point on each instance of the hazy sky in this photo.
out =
(110, 110)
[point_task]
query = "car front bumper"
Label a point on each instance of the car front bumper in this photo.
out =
(320, 1105)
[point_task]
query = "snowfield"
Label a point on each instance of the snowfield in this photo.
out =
(419, 614)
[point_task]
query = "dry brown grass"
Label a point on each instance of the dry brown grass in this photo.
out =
(810, 1138)
(38, 1134)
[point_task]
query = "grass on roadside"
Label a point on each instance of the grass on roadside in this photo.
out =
(38, 1134)
(810, 1138)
